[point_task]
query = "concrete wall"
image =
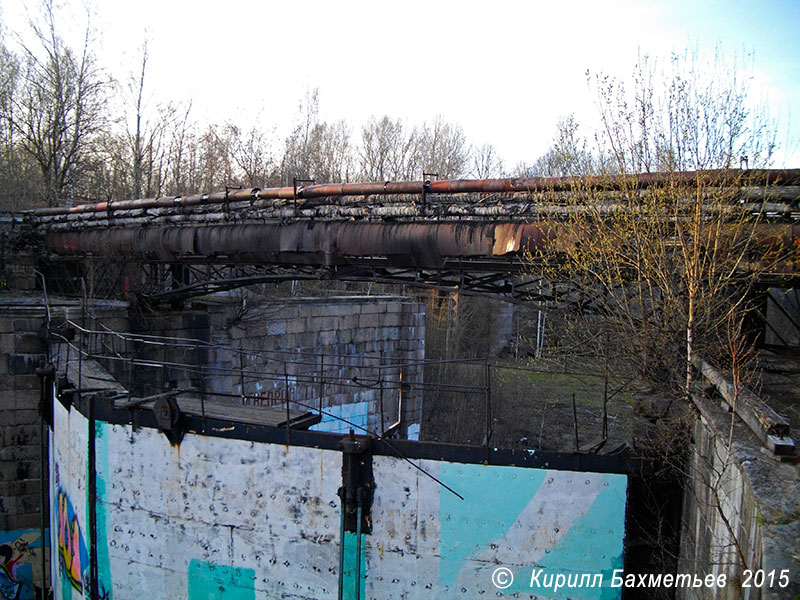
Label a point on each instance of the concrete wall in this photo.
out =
(337, 349)
(741, 513)
(21, 353)
(230, 518)
(783, 316)
(428, 543)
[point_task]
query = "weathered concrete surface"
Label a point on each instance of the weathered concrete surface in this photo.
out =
(22, 352)
(741, 511)
(330, 353)
(428, 543)
(216, 517)
(783, 316)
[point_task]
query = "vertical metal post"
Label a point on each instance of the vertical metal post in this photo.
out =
(341, 550)
(380, 400)
(241, 374)
(605, 397)
(575, 420)
(93, 576)
(286, 398)
(163, 367)
(359, 496)
(44, 508)
(426, 184)
(321, 381)
(202, 384)
(129, 363)
(80, 360)
(488, 398)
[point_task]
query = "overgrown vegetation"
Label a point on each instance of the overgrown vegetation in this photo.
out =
(661, 267)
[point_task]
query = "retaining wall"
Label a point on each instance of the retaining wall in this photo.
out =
(221, 517)
(741, 514)
(22, 352)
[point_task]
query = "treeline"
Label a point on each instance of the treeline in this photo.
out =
(69, 132)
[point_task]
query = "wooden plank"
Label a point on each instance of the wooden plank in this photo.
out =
(771, 428)
(272, 416)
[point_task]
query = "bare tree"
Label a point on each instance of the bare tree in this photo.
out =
(10, 160)
(382, 141)
(486, 163)
(251, 152)
(390, 150)
(688, 114)
(662, 267)
(330, 153)
(60, 104)
(297, 156)
(445, 149)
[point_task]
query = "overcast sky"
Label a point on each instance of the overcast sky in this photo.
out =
(506, 71)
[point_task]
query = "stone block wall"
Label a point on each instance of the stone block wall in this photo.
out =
(21, 478)
(741, 514)
(22, 352)
(348, 356)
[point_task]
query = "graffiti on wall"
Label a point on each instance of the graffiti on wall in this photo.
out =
(18, 558)
(73, 558)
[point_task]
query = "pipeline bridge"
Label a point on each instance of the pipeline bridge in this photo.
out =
(472, 236)
(211, 453)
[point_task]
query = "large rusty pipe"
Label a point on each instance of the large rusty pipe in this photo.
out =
(457, 186)
(413, 244)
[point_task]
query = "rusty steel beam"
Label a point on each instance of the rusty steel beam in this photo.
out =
(722, 177)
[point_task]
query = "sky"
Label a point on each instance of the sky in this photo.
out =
(505, 71)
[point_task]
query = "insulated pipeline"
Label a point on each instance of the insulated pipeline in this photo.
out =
(723, 177)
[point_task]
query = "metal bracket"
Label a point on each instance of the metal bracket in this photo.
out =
(295, 181)
(171, 421)
(426, 186)
(227, 204)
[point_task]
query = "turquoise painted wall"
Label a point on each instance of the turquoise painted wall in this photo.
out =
(565, 526)
(209, 581)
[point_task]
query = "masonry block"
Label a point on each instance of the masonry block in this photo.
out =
(371, 320)
(296, 325)
(20, 453)
(28, 386)
(28, 343)
(30, 520)
(8, 402)
(21, 435)
(326, 338)
(23, 364)
(276, 327)
(19, 417)
(347, 322)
